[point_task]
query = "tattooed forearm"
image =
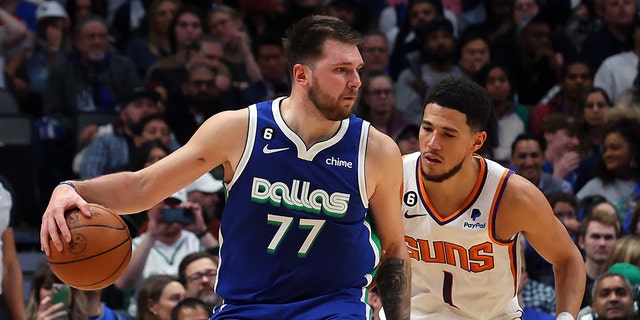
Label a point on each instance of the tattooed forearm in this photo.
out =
(393, 287)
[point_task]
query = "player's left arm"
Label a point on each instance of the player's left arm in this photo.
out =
(524, 208)
(383, 172)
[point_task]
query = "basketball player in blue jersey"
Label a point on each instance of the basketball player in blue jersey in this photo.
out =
(312, 193)
(463, 215)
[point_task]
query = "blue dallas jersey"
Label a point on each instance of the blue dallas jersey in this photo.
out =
(294, 239)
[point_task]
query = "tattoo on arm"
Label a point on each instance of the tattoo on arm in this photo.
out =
(393, 287)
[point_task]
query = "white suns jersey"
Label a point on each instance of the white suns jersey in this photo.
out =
(460, 270)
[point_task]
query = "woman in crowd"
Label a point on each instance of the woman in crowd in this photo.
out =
(157, 297)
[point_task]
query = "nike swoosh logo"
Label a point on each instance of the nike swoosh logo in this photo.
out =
(409, 216)
(266, 149)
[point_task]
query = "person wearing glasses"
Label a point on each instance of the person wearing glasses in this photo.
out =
(198, 272)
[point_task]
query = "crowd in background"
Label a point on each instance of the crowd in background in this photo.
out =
(112, 85)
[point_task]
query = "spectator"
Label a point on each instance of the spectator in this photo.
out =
(508, 118)
(626, 250)
(201, 102)
(190, 309)
(159, 294)
(78, 10)
(538, 300)
(575, 81)
(474, 53)
(615, 34)
(90, 78)
(226, 25)
(11, 286)
(565, 207)
(375, 54)
(561, 155)
(350, 12)
(206, 191)
(164, 243)
(591, 134)
(524, 10)
(275, 81)
(598, 234)
(612, 298)
(407, 139)
(152, 44)
(378, 104)
(437, 62)
(198, 273)
(185, 27)
(527, 158)
(51, 42)
(634, 227)
(617, 170)
(110, 152)
(615, 75)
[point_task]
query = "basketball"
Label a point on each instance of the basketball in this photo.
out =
(99, 251)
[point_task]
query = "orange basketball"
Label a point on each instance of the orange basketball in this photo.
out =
(99, 251)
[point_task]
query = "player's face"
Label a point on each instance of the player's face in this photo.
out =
(334, 81)
(598, 242)
(527, 158)
(446, 142)
(172, 293)
(613, 299)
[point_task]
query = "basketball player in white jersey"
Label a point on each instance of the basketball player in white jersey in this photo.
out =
(306, 181)
(463, 215)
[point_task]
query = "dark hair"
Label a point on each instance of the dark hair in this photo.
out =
(586, 205)
(525, 137)
(139, 157)
(139, 128)
(559, 121)
(267, 39)
(188, 303)
(564, 69)
(188, 259)
(559, 196)
(304, 41)
(151, 289)
(483, 74)
(635, 217)
(629, 129)
(437, 24)
(184, 9)
(469, 35)
(462, 95)
(77, 29)
(364, 109)
(196, 45)
(602, 91)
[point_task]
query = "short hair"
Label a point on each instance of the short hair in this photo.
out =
(304, 41)
(139, 128)
(559, 196)
(188, 303)
(594, 290)
(188, 259)
(564, 68)
(462, 95)
(558, 121)
(197, 44)
(525, 137)
(602, 217)
(84, 21)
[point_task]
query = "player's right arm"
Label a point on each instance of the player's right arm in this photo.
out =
(218, 141)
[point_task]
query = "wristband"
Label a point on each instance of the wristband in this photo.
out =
(564, 316)
(202, 234)
(68, 183)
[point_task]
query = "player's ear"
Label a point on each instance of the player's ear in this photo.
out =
(301, 74)
(480, 137)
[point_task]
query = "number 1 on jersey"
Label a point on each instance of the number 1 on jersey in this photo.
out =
(284, 223)
(447, 289)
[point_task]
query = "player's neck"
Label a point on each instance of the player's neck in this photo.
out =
(306, 121)
(447, 196)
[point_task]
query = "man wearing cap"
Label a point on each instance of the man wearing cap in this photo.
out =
(205, 192)
(110, 152)
(170, 236)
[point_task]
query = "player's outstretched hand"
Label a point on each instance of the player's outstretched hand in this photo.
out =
(53, 226)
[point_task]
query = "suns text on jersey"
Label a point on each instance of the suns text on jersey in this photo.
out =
(298, 196)
(477, 258)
